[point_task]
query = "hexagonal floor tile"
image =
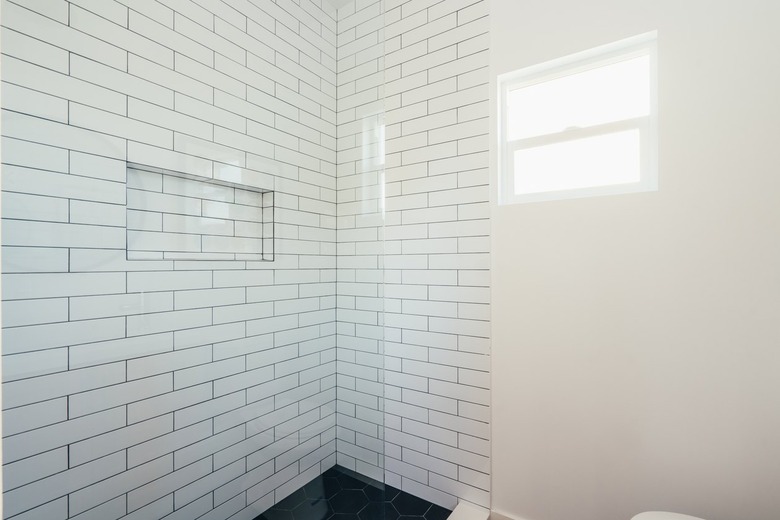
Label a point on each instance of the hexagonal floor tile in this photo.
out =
(291, 502)
(410, 505)
(378, 511)
(339, 516)
(332, 472)
(318, 509)
(348, 482)
(322, 487)
(335, 495)
(437, 513)
(276, 514)
(377, 494)
(348, 501)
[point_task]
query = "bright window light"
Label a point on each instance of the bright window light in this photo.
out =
(610, 159)
(582, 125)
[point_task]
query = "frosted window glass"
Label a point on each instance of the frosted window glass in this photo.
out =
(605, 94)
(581, 163)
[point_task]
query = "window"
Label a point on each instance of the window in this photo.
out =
(580, 126)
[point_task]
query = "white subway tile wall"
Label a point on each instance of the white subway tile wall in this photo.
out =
(416, 290)
(437, 250)
(211, 389)
(171, 386)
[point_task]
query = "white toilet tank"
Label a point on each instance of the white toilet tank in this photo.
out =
(663, 515)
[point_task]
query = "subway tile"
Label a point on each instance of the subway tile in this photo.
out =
(31, 102)
(169, 79)
(87, 117)
(163, 117)
(212, 113)
(119, 350)
(97, 167)
(90, 307)
(167, 321)
(205, 335)
(34, 416)
(108, 9)
(39, 337)
(34, 364)
(167, 443)
(153, 509)
(59, 434)
(211, 409)
(118, 484)
(119, 439)
(168, 484)
(49, 234)
(32, 50)
(167, 281)
(102, 29)
(97, 213)
(155, 31)
(168, 402)
(209, 297)
(41, 182)
(33, 155)
(207, 372)
(242, 380)
(31, 312)
(286, 89)
(62, 483)
(34, 468)
(118, 394)
(45, 29)
(208, 446)
(110, 510)
(167, 362)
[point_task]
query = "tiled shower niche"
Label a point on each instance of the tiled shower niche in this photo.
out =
(175, 216)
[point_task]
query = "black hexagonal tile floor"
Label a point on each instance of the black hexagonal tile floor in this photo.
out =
(410, 505)
(317, 509)
(348, 501)
(378, 511)
(276, 514)
(379, 492)
(332, 472)
(291, 502)
(341, 516)
(348, 482)
(322, 487)
(338, 495)
(437, 513)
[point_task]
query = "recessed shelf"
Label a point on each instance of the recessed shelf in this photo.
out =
(177, 216)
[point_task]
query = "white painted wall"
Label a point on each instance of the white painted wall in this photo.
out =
(635, 360)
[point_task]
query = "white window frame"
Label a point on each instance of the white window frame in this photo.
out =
(641, 45)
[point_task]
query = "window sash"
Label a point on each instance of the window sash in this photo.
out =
(571, 134)
(647, 152)
(642, 45)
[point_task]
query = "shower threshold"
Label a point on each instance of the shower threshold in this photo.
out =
(340, 494)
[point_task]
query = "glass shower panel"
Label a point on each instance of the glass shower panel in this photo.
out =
(360, 238)
(354, 486)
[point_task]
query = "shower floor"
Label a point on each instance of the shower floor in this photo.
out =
(338, 495)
